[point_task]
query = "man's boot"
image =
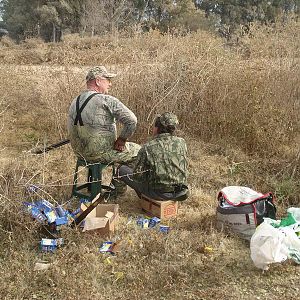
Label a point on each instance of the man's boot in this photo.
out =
(120, 186)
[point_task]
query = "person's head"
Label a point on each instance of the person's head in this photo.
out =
(99, 79)
(165, 123)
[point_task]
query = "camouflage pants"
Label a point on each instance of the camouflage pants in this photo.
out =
(126, 173)
(94, 146)
(126, 157)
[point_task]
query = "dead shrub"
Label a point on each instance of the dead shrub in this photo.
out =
(30, 43)
(6, 41)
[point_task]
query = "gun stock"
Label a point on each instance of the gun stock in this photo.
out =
(99, 198)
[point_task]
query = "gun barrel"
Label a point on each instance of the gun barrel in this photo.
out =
(53, 146)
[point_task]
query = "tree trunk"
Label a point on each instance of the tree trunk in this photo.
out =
(53, 33)
(38, 30)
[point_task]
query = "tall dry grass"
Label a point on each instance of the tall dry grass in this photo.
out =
(219, 95)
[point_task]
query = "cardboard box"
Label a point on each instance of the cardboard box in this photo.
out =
(161, 209)
(102, 220)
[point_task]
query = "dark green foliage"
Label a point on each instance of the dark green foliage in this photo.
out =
(245, 11)
(48, 19)
(233, 13)
(19, 16)
(44, 18)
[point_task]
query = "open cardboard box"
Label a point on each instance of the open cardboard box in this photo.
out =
(102, 220)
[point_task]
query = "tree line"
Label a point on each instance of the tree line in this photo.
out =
(50, 19)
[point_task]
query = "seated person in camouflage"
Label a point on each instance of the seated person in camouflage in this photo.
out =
(160, 172)
(92, 122)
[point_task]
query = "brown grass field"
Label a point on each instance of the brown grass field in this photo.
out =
(239, 107)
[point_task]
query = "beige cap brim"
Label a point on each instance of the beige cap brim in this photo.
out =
(110, 75)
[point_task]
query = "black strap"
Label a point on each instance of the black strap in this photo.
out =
(79, 110)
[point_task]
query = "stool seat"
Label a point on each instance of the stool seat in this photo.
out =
(93, 184)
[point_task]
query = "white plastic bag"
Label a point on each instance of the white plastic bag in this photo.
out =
(273, 245)
(295, 211)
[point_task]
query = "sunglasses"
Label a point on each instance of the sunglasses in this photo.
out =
(108, 79)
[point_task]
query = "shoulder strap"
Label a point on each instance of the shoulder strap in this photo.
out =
(79, 110)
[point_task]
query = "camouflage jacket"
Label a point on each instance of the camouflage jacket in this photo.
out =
(163, 162)
(95, 139)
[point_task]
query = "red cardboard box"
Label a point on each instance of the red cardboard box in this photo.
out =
(160, 209)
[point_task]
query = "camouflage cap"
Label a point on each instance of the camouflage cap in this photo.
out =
(98, 71)
(168, 119)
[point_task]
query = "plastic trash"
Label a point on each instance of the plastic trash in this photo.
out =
(41, 266)
(295, 211)
(143, 222)
(275, 241)
(289, 220)
(110, 247)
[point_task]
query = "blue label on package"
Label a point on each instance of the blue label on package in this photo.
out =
(37, 214)
(61, 221)
(164, 228)
(105, 247)
(153, 222)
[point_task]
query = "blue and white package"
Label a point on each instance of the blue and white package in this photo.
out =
(153, 222)
(139, 221)
(62, 218)
(50, 245)
(48, 209)
(43, 211)
(143, 222)
(45, 205)
(51, 216)
(32, 188)
(85, 201)
(61, 221)
(106, 247)
(164, 228)
(60, 211)
(37, 214)
(76, 212)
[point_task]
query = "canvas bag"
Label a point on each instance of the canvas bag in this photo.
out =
(240, 209)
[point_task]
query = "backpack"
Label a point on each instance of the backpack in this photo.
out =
(241, 209)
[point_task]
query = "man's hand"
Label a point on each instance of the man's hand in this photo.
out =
(120, 144)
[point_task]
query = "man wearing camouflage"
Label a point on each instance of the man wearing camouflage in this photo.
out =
(92, 122)
(160, 172)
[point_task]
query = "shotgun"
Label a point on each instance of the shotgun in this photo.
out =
(97, 200)
(53, 146)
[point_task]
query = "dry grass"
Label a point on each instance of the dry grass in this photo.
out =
(150, 264)
(239, 112)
